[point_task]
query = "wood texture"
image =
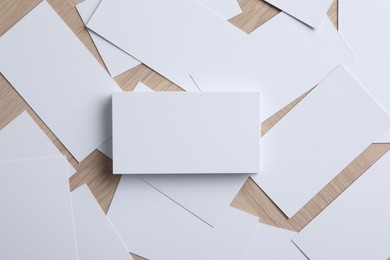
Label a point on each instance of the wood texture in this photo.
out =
(96, 169)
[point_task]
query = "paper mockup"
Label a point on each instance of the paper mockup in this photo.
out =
(60, 79)
(356, 224)
(282, 59)
(172, 37)
(370, 44)
(36, 212)
(153, 226)
(116, 60)
(23, 139)
(317, 139)
(96, 238)
(186, 132)
(206, 196)
(274, 243)
(309, 12)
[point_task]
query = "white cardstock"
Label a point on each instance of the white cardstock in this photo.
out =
(172, 37)
(317, 139)
(282, 59)
(36, 212)
(186, 132)
(60, 79)
(356, 224)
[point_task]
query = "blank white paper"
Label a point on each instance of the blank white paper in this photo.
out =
(173, 37)
(60, 79)
(23, 139)
(274, 243)
(116, 60)
(36, 212)
(309, 12)
(155, 227)
(186, 132)
(207, 197)
(225, 8)
(96, 238)
(317, 139)
(282, 59)
(370, 42)
(356, 224)
(385, 138)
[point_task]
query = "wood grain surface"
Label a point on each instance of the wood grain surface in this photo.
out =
(96, 169)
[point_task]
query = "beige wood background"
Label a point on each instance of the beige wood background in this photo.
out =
(96, 169)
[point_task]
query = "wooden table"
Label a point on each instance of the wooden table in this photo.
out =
(96, 169)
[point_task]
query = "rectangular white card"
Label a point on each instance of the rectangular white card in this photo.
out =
(173, 37)
(356, 224)
(96, 238)
(186, 132)
(309, 12)
(274, 243)
(116, 60)
(317, 139)
(282, 59)
(23, 139)
(60, 79)
(370, 42)
(155, 227)
(36, 212)
(206, 196)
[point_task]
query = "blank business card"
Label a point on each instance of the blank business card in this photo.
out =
(317, 139)
(186, 132)
(172, 37)
(60, 79)
(356, 224)
(281, 59)
(36, 213)
(370, 43)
